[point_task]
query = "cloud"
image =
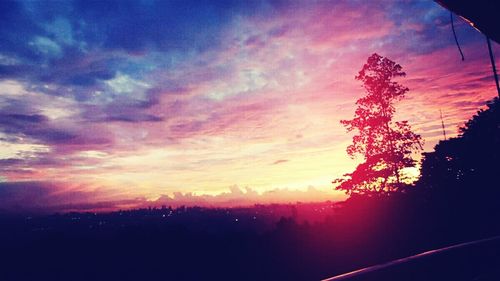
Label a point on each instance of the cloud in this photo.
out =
(39, 129)
(237, 197)
(21, 120)
(40, 196)
(133, 119)
(150, 97)
(45, 197)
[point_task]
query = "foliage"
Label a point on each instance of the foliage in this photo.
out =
(386, 146)
(469, 161)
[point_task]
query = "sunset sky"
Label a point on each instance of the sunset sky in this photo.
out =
(124, 104)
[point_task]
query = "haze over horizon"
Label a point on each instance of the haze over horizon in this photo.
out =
(124, 103)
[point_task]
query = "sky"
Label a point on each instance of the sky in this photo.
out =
(114, 104)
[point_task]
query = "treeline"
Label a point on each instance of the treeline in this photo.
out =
(468, 165)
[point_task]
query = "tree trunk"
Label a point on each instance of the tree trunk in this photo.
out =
(393, 163)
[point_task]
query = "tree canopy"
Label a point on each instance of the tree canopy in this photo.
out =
(386, 146)
(468, 162)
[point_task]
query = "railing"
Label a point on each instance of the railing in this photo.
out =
(477, 260)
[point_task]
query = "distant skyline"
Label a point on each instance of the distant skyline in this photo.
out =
(122, 103)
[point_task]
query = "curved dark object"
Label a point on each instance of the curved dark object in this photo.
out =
(471, 261)
(455, 36)
(484, 15)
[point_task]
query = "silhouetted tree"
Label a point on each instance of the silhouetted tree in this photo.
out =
(470, 161)
(385, 145)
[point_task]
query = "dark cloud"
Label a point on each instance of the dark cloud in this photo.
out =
(52, 42)
(40, 130)
(47, 197)
(133, 118)
(54, 136)
(21, 120)
(123, 110)
(25, 196)
(25, 125)
(80, 75)
(34, 44)
(7, 162)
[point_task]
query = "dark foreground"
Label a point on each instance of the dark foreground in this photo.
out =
(476, 260)
(205, 244)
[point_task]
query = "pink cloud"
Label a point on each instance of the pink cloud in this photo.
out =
(244, 104)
